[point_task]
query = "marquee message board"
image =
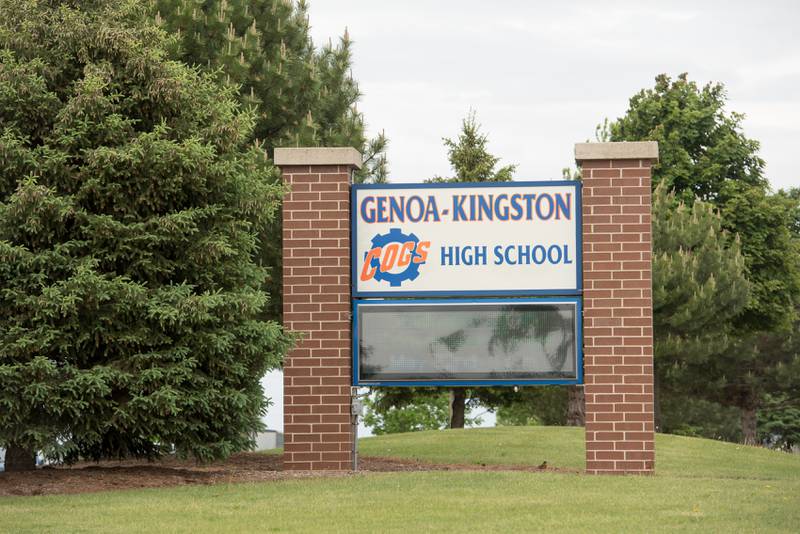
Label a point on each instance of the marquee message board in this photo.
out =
(478, 326)
(457, 239)
(429, 342)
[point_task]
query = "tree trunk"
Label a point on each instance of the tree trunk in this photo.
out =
(576, 407)
(749, 417)
(20, 459)
(458, 404)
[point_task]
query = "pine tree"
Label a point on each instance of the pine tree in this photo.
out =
(130, 199)
(470, 158)
(262, 48)
(302, 96)
(699, 287)
(699, 276)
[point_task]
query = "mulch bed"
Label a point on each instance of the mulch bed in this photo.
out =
(167, 472)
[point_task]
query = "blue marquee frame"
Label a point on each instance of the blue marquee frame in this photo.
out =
(577, 301)
(524, 292)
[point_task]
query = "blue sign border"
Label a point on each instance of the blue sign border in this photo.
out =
(577, 290)
(578, 343)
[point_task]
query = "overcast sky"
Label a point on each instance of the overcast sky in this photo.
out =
(541, 75)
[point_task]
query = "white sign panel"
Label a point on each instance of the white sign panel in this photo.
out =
(508, 238)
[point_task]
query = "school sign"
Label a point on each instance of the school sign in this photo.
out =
(456, 284)
(512, 238)
(490, 252)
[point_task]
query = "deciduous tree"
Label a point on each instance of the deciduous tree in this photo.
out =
(428, 410)
(701, 145)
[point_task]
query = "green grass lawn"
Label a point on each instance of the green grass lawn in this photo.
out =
(563, 447)
(701, 486)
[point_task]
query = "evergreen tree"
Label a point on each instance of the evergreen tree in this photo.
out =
(699, 287)
(470, 158)
(302, 96)
(692, 415)
(779, 424)
(705, 154)
(130, 198)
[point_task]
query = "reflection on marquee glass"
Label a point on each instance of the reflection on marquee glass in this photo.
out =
(467, 342)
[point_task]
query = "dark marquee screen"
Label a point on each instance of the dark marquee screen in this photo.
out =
(470, 340)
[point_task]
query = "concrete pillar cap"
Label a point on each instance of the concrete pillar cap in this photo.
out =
(318, 156)
(623, 150)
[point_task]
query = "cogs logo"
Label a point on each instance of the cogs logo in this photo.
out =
(394, 257)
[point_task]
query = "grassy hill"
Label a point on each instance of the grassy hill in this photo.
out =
(563, 447)
(701, 486)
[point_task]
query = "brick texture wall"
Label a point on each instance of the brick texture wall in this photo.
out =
(618, 326)
(316, 303)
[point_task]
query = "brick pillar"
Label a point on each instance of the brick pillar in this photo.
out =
(617, 306)
(318, 434)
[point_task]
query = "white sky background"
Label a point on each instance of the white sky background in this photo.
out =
(541, 76)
